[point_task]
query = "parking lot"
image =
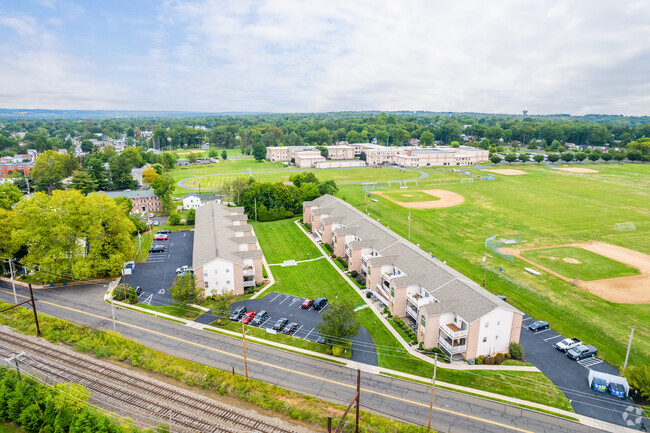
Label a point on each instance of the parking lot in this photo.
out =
(572, 376)
(279, 305)
(157, 274)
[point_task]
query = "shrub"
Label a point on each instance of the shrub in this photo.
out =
(354, 274)
(488, 361)
(360, 279)
(328, 248)
(482, 357)
(337, 350)
(121, 292)
(516, 351)
(499, 358)
(508, 356)
(421, 346)
(478, 361)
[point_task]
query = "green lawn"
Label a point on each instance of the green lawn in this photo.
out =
(591, 266)
(188, 312)
(283, 240)
(545, 207)
(407, 196)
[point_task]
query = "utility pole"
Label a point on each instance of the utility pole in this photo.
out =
(13, 284)
(484, 267)
(243, 337)
(14, 358)
(433, 388)
(356, 429)
(113, 312)
(31, 294)
(629, 345)
(255, 199)
(409, 226)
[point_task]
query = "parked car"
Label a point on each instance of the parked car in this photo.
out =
(163, 232)
(248, 317)
(280, 324)
(582, 352)
(290, 328)
(138, 290)
(616, 389)
(260, 318)
(307, 303)
(156, 223)
(238, 313)
(599, 384)
(151, 215)
(157, 249)
(160, 237)
(568, 344)
(320, 303)
(184, 269)
(538, 326)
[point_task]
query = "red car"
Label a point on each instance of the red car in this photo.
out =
(248, 317)
(307, 303)
(160, 237)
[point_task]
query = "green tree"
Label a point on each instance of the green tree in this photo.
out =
(149, 175)
(427, 138)
(174, 218)
(133, 157)
(86, 146)
(568, 157)
(191, 217)
(580, 156)
(553, 157)
(9, 195)
(221, 305)
(327, 187)
(593, 156)
(163, 186)
(538, 158)
(120, 173)
(339, 322)
(95, 167)
(213, 153)
(606, 156)
(495, 159)
(50, 168)
(192, 158)
(619, 156)
(224, 155)
(511, 157)
(83, 182)
(259, 151)
(638, 377)
(184, 290)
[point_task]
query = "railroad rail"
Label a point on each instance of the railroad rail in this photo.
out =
(178, 407)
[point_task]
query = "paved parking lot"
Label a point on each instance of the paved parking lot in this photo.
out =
(157, 274)
(279, 305)
(572, 376)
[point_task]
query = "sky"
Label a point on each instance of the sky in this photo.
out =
(576, 57)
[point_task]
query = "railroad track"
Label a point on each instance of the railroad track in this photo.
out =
(169, 404)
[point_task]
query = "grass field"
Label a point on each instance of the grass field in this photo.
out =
(408, 196)
(591, 266)
(545, 207)
(285, 241)
(9, 428)
(188, 312)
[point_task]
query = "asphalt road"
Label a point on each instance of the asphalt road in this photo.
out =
(398, 399)
(572, 377)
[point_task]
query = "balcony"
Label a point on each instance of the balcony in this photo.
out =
(390, 275)
(364, 266)
(418, 300)
(249, 283)
(450, 348)
(249, 271)
(411, 312)
(453, 331)
(382, 290)
(365, 257)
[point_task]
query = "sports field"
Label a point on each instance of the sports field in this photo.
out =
(545, 208)
(410, 196)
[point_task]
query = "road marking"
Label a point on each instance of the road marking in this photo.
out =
(284, 300)
(296, 331)
(323, 309)
(550, 338)
(541, 332)
(276, 296)
(588, 362)
(148, 300)
(306, 336)
(527, 318)
(293, 302)
(285, 369)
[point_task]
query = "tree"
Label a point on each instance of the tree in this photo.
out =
(174, 218)
(639, 378)
(191, 217)
(83, 182)
(184, 290)
(362, 156)
(538, 158)
(516, 351)
(133, 157)
(568, 157)
(192, 158)
(634, 155)
(259, 151)
(511, 157)
(593, 156)
(495, 159)
(9, 195)
(120, 173)
(50, 168)
(580, 156)
(221, 305)
(86, 146)
(213, 153)
(427, 138)
(606, 157)
(339, 322)
(224, 155)
(149, 175)
(328, 187)
(619, 156)
(163, 186)
(95, 166)
(553, 157)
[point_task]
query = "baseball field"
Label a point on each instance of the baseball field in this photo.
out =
(594, 280)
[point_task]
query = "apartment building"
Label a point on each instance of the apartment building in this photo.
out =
(307, 156)
(6, 168)
(226, 256)
(447, 309)
(143, 200)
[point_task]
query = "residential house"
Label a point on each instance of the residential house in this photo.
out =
(143, 200)
(192, 201)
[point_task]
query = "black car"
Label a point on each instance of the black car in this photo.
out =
(163, 232)
(319, 303)
(280, 324)
(260, 318)
(138, 290)
(538, 326)
(290, 328)
(238, 313)
(157, 249)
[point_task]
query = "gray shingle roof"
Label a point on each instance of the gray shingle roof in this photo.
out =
(130, 194)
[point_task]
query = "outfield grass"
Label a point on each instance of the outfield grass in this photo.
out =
(283, 240)
(545, 207)
(408, 196)
(592, 266)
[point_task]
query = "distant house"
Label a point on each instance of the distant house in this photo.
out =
(205, 146)
(6, 168)
(192, 201)
(137, 173)
(143, 201)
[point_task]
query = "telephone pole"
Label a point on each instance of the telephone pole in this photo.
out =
(629, 345)
(113, 313)
(31, 295)
(14, 358)
(433, 388)
(243, 337)
(13, 284)
(255, 199)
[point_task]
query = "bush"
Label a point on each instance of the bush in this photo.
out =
(421, 346)
(508, 356)
(360, 279)
(337, 350)
(174, 218)
(354, 274)
(478, 361)
(499, 358)
(516, 351)
(488, 361)
(121, 292)
(328, 248)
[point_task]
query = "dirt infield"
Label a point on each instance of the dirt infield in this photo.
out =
(578, 170)
(447, 199)
(623, 290)
(508, 172)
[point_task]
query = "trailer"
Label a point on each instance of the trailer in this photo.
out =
(616, 385)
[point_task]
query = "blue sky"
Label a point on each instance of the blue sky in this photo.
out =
(546, 56)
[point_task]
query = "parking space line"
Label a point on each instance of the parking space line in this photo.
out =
(293, 302)
(262, 324)
(527, 318)
(276, 297)
(323, 309)
(284, 299)
(550, 338)
(148, 300)
(296, 331)
(306, 336)
(541, 332)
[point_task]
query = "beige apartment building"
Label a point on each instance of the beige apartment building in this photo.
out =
(226, 256)
(445, 308)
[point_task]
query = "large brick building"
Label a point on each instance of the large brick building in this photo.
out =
(143, 201)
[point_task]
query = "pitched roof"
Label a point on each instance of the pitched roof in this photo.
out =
(130, 194)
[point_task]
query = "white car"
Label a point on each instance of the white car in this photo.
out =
(184, 269)
(156, 222)
(151, 215)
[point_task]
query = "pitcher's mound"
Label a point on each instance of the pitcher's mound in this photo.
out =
(572, 260)
(508, 172)
(578, 170)
(447, 199)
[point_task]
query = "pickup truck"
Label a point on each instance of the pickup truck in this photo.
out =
(568, 344)
(582, 352)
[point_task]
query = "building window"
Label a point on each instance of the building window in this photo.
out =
(498, 322)
(215, 271)
(487, 324)
(227, 270)
(496, 337)
(423, 321)
(227, 281)
(205, 284)
(205, 274)
(484, 339)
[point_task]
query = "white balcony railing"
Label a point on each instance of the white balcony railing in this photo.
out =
(389, 276)
(249, 271)
(411, 312)
(364, 268)
(383, 291)
(451, 349)
(419, 300)
(452, 332)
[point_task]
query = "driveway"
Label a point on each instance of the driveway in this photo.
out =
(279, 305)
(157, 274)
(572, 377)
